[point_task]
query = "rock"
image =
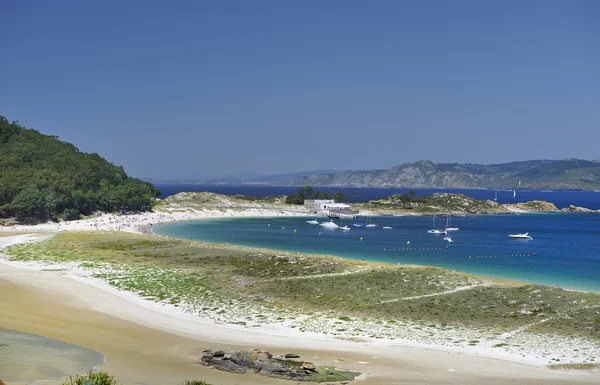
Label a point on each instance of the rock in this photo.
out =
(576, 209)
(219, 353)
(309, 366)
(237, 358)
(329, 373)
(291, 355)
(228, 366)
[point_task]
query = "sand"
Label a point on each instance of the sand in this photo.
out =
(143, 344)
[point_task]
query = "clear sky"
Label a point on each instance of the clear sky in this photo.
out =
(184, 89)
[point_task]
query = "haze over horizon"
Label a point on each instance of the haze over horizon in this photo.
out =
(198, 89)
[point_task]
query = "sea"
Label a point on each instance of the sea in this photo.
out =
(564, 251)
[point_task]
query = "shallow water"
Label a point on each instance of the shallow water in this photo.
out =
(565, 250)
(27, 357)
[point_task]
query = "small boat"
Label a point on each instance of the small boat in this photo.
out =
(434, 230)
(449, 226)
(345, 228)
(358, 224)
(514, 193)
(313, 222)
(329, 225)
(520, 236)
(448, 239)
(496, 196)
(387, 227)
(371, 224)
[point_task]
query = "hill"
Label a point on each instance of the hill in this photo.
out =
(44, 178)
(568, 174)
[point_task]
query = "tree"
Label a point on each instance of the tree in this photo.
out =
(340, 197)
(404, 199)
(412, 193)
(354, 198)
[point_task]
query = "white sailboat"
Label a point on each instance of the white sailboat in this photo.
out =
(434, 230)
(514, 193)
(496, 196)
(449, 226)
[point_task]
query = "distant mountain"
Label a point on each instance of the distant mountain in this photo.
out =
(290, 176)
(567, 174)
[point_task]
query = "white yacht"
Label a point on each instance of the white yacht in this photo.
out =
(434, 230)
(313, 222)
(448, 239)
(449, 226)
(387, 227)
(520, 236)
(345, 228)
(329, 225)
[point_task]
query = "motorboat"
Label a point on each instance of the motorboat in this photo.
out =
(359, 224)
(329, 225)
(313, 222)
(448, 239)
(345, 228)
(387, 227)
(449, 226)
(520, 236)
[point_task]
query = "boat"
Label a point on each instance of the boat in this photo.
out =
(448, 239)
(387, 227)
(313, 222)
(371, 224)
(358, 224)
(329, 225)
(345, 228)
(520, 236)
(448, 226)
(496, 196)
(434, 230)
(514, 193)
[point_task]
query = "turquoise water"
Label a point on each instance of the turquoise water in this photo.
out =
(565, 250)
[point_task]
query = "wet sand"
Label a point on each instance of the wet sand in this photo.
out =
(143, 346)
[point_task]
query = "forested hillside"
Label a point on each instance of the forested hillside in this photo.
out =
(44, 178)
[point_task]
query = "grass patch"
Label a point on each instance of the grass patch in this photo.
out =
(335, 376)
(579, 366)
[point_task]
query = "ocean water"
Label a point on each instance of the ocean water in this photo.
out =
(561, 199)
(565, 249)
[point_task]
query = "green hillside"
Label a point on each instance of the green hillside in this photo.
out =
(44, 178)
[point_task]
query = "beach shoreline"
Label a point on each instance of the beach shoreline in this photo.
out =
(170, 320)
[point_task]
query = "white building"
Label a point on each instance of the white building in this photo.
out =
(328, 207)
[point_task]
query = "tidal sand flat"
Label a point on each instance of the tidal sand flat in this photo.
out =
(27, 357)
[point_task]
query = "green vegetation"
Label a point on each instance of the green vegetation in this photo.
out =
(331, 374)
(580, 366)
(99, 378)
(44, 178)
(309, 193)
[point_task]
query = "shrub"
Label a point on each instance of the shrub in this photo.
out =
(100, 378)
(196, 383)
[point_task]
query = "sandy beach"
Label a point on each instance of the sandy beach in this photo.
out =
(145, 342)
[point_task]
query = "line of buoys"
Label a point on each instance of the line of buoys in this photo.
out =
(414, 248)
(504, 256)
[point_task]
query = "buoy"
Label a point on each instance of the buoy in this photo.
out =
(534, 254)
(383, 249)
(295, 230)
(361, 238)
(408, 243)
(319, 233)
(282, 227)
(269, 224)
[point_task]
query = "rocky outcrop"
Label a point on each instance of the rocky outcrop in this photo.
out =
(577, 209)
(535, 206)
(261, 362)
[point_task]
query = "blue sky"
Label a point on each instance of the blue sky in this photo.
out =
(186, 89)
